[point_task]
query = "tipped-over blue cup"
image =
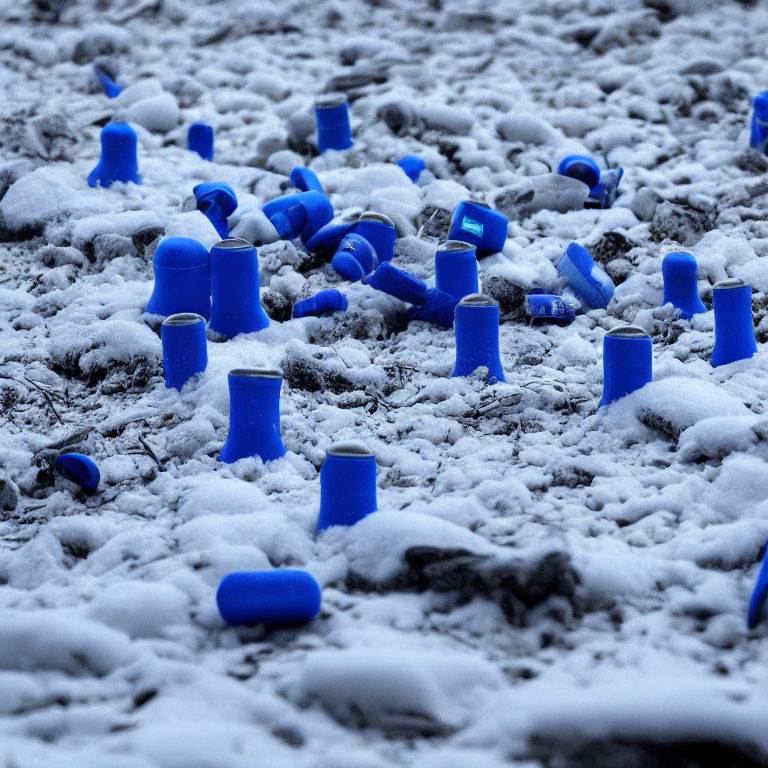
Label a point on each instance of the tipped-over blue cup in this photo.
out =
(347, 485)
(476, 324)
(217, 201)
(680, 286)
(412, 167)
(254, 415)
(759, 595)
(110, 86)
(333, 127)
(200, 140)
(589, 281)
(355, 258)
(185, 348)
(479, 225)
(546, 307)
(182, 268)
(627, 362)
(299, 215)
(399, 284)
(305, 179)
(118, 161)
(456, 268)
(323, 303)
(438, 307)
(759, 126)
(268, 597)
(734, 331)
(235, 297)
(79, 469)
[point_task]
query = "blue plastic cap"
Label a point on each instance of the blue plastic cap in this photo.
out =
(582, 168)
(79, 469)
(399, 284)
(118, 161)
(413, 166)
(757, 602)
(324, 303)
(111, 88)
(200, 140)
(590, 283)
(268, 597)
(305, 179)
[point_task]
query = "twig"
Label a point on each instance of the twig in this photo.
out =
(151, 453)
(47, 399)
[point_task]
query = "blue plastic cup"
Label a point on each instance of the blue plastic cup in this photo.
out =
(200, 140)
(589, 281)
(759, 127)
(627, 362)
(456, 269)
(379, 231)
(299, 215)
(268, 597)
(185, 348)
(333, 128)
(480, 226)
(235, 298)
(254, 415)
(401, 285)
(217, 201)
(580, 167)
(734, 332)
(182, 269)
(323, 303)
(476, 325)
(118, 161)
(680, 286)
(355, 258)
(347, 485)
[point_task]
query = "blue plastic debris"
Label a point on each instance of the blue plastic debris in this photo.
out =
(680, 286)
(110, 86)
(182, 268)
(399, 284)
(590, 283)
(217, 201)
(379, 231)
(185, 349)
(477, 337)
(757, 602)
(79, 469)
(438, 308)
(305, 179)
(603, 187)
(268, 597)
(299, 215)
(456, 268)
(627, 362)
(479, 225)
(734, 330)
(355, 258)
(347, 485)
(333, 127)
(759, 127)
(412, 166)
(118, 161)
(200, 140)
(548, 307)
(324, 303)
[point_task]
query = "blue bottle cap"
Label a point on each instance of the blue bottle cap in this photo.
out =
(79, 469)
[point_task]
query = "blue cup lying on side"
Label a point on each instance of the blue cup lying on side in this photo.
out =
(759, 125)
(217, 201)
(305, 179)
(323, 303)
(759, 595)
(589, 282)
(401, 285)
(412, 167)
(734, 331)
(112, 88)
(79, 469)
(479, 225)
(548, 307)
(347, 485)
(268, 597)
(299, 215)
(477, 337)
(355, 258)
(182, 268)
(235, 298)
(200, 140)
(254, 415)
(119, 160)
(456, 268)
(185, 348)
(627, 362)
(680, 286)
(333, 127)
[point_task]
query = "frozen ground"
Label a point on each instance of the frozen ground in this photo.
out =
(545, 584)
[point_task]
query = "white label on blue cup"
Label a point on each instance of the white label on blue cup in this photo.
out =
(469, 225)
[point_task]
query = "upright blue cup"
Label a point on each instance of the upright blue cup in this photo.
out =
(235, 298)
(412, 167)
(680, 286)
(299, 215)
(118, 161)
(456, 269)
(347, 485)
(379, 231)
(182, 269)
(200, 140)
(333, 128)
(627, 362)
(480, 226)
(401, 285)
(476, 324)
(254, 415)
(355, 258)
(759, 133)
(734, 332)
(217, 201)
(268, 597)
(305, 179)
(185, 349)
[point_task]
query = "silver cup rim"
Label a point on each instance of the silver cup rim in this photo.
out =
(454, 246)
(375, 216)
(256, 373)
(478, 300)
(350, 449)
(729, 283)
(233, 244)
(628, 331)
(330, 100)
(184, 318)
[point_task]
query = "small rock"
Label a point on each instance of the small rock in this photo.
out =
(682, 224)
(9, 494)
(644, 203)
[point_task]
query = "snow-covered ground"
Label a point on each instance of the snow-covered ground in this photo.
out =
(545, 584)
